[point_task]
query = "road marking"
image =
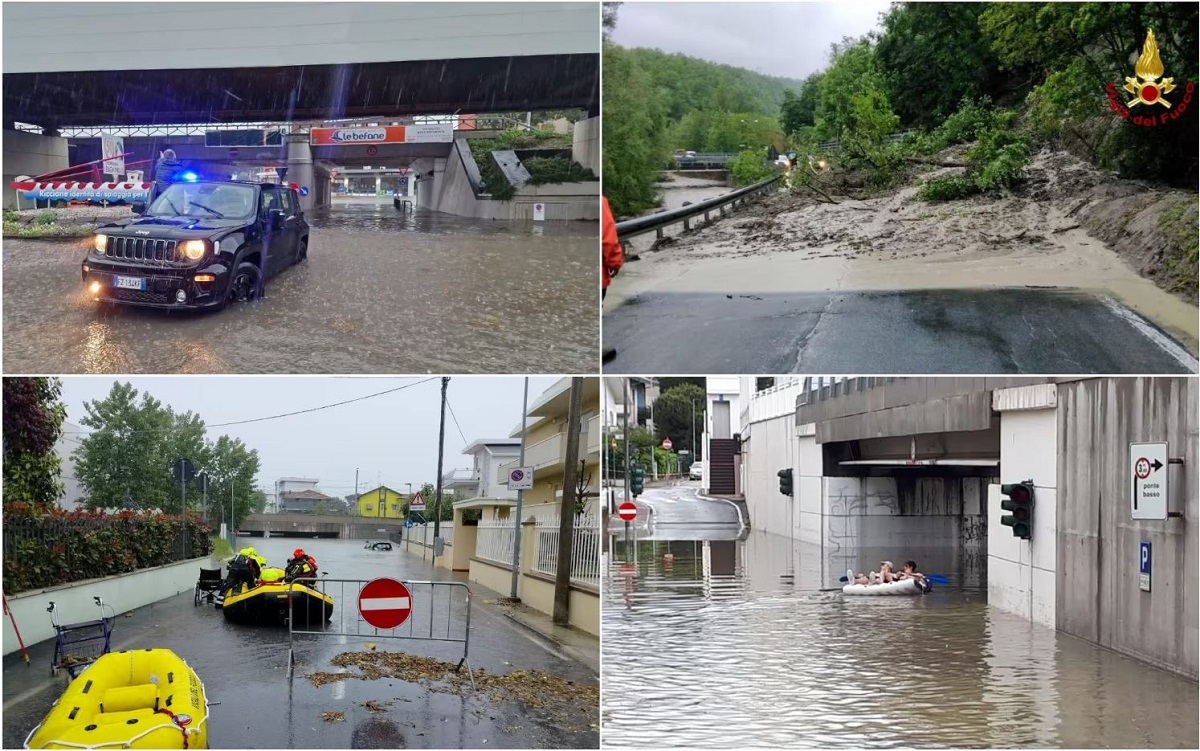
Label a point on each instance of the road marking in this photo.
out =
(1178, 352)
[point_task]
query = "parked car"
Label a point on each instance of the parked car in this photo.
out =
(200, 244)
(696, 472)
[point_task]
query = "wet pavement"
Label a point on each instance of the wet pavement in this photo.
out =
(244, 670)
(735, 639)
(381, 292)
(1031, 331)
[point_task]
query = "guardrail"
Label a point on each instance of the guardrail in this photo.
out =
(657, 222)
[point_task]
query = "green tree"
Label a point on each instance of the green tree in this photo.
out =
(853, 72)
(123, 462)
(673, 416)
(429, 494)
(634, 135)
(608, 18)
(33, 418)
(750, 167)
(233, 467)
(933, 55)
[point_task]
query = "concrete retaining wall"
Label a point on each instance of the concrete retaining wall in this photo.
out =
(585, 148)
(772, 446)
(74, 603)
(1098, 543)
(565, 202)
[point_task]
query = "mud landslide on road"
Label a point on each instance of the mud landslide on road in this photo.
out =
(1066, 225)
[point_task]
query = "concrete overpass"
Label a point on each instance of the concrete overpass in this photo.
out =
(893, 464)
(316, 525)
(244, 62)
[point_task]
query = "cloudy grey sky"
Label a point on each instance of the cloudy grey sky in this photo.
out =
(778, 39)
(390, 438)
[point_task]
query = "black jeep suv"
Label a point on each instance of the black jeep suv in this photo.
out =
(200, 244)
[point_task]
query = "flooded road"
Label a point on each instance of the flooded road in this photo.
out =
(382, 292)
(244, 670)
(680, 189)
(731, 641)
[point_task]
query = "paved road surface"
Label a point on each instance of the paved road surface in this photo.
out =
(682, 504)
(1031, 331)
(244, 668)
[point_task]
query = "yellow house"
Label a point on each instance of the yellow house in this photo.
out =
(381, 503)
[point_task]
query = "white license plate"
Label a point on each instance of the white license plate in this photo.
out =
(129, 282)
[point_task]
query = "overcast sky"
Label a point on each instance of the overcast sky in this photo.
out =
(778, 39)
(390, 438)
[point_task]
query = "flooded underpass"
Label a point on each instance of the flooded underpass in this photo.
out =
(382, 291)
(710, 637)
(256, 705)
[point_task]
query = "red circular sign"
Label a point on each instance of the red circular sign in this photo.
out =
(667, 444)
(627, 511)
(1142, 468)
(385, 603)
(372, 151)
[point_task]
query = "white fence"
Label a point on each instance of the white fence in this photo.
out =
(585, 548)
(494, 541)
(423, 535)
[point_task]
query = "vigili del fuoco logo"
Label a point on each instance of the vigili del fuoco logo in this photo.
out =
(1149, 90)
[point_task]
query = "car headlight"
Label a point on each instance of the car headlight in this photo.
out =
(194, 249)
(101, 242)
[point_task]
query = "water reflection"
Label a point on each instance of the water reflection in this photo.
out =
(706, 641)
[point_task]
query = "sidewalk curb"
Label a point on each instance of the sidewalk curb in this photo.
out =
(566, 649)
(736, 507)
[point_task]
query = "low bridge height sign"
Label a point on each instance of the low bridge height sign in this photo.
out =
(1148, 480)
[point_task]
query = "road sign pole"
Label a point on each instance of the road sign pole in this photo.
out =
(437, 502)
(516, 564)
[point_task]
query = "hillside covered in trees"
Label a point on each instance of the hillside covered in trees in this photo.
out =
(1004, 79)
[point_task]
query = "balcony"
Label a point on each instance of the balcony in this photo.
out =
(460, 477)
(549, 455)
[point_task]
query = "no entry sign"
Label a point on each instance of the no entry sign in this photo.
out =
(627, 511)
(667, 444)
(385, 603)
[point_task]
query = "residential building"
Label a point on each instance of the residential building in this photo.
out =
(722, 436)
(481, 480)
(643, 392)
(288, 485)
(382, 503)
(305, 502)
(546, 441)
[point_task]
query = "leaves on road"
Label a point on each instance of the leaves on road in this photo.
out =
(333, 716)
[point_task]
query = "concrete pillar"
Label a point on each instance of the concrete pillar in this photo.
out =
(439, 175)
(300, 166)
(1022, 576)
(585, 147)
(378, 184)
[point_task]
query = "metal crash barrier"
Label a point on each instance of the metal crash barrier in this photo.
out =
(386, 608)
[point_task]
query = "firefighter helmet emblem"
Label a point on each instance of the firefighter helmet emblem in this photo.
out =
(1146, 87)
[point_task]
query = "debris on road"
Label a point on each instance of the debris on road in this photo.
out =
(333, 716)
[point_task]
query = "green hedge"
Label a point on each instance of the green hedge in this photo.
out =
(47, 549)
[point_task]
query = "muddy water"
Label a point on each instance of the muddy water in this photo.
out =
(677, 191)
(896, 243)
(733, 643)
(382, 292)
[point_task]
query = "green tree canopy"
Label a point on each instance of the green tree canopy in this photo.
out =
(674, 411)
(33, 418)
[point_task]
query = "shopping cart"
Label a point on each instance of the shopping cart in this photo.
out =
(77, 645)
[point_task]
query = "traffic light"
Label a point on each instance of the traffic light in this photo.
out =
(1018, 501)
(637, 480)
(785, 482)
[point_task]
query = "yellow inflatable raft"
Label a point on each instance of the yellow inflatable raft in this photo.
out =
(145, 698)
(267, 603)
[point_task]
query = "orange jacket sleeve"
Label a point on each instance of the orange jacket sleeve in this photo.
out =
(614, 257)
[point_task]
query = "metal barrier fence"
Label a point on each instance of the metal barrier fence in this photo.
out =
(656, 222)
(585, 549)
(432, 617)
(494, 540)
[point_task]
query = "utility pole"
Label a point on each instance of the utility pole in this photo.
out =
(356, 488)
(625, 417)
(566, 512)
(516, 566)
(437, 504)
